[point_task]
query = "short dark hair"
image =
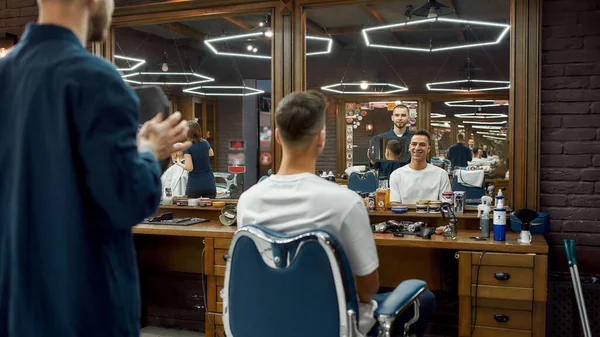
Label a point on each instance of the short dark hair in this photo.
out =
(394, 147)
(475, 150)
(194, 133)
(301, 115)
(422, 132)
(401, 106)
(460, 137)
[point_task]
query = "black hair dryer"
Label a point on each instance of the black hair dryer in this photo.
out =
(525, 216)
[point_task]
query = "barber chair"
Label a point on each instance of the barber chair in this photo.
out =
(473, 191)
(300, 285)
(269, 172)
(363, 182)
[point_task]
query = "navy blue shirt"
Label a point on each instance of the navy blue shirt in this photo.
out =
(73, 185)
(459, 154)
(201, 178)
(386, 168)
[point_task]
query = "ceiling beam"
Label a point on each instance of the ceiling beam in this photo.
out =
(184, 30)
(240, 23)
(314, 28)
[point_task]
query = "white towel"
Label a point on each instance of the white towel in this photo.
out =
(470, 178)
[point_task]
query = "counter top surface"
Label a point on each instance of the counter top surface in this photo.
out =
(215, 229)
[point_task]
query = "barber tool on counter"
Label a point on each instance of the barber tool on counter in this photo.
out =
(483, 213)
(499, 218)
(526, 216)
(450, 231)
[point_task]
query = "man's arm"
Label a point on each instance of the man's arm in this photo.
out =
(358, 242)
(123, 183)
(395, 188)
(444, 184)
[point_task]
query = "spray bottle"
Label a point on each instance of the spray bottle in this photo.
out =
(499, 218)
(483, 211)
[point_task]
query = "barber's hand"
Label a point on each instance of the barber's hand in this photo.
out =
(160, 136)
(369, 156)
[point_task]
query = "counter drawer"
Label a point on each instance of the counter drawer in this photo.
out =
(502, 293)
(222, 243)
(217, 323)
(502, 276)
(503, 259)
(220, 257)
(214, 301)
(495, 332)
(503, 318)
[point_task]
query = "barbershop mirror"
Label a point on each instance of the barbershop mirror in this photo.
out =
(216, 71)
(388, 149)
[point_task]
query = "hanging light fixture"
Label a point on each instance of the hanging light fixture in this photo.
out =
(432, 9)
(224, 90)
(476, 103)
(468, 85)
(326, 50)
(437, 115)
(503, 28)
(210, 42)
(202, 78)
(138, 62)
(485, 123)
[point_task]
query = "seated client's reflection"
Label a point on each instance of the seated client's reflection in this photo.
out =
(400, 116)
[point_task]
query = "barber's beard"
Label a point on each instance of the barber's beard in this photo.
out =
(98, 27)
(400, 125)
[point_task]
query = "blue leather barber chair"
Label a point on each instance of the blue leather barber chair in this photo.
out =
(300, 285)
(363, 182)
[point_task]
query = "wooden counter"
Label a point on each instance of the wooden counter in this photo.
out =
(522, 295)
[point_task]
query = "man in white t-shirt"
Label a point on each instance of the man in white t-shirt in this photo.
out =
(418, 180)
(296, 200)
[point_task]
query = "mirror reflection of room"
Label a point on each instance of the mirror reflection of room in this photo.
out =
(382, 59)
(217, 73)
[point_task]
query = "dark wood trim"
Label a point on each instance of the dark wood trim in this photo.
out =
(525, 103)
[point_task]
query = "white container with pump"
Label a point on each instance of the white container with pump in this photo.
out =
(483, 213)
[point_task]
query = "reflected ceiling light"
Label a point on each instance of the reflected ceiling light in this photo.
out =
(505, 28)
(475, 103)
(437, 115)
(392, 88)
(203, 79)
(139, 62)
(485, 123)
(493, 137)
(501, 85)
(213, 90)
(441, 125)
(209, 43)
(481, 115)
(326, 39)
(492, 132)
(461, 126)
(487, 127)
(269, 33)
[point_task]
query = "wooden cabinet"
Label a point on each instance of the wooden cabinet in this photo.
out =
(502, 294)
(214, 269)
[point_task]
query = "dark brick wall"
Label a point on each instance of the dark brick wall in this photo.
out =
(570, 166)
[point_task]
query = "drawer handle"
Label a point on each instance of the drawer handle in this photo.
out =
(502, 276)
(501, 318)
(225, 257)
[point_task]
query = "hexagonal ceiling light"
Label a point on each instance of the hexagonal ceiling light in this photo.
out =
(504, 30)
(363, 85)
(138, 62)
(469, 85)
(475, 103)
(212, 90)
(203, 79)
(252, 52)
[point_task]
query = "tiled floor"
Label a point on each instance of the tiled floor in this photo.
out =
(151, 331)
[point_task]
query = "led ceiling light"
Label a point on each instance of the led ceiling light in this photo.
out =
(504, 28)
(485, 123)
(210, 42)
(392, 88)
(327, 50)
(492, 133)
(476, 103)
(437, 115)
(139, 62)
(481, 115)
(492, 137)
(213, 90)
(203, 79)
(469, 85)
(441, 125)
(487, 127)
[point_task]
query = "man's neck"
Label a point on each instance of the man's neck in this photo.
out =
(399, 131)
(417, 165)
(67, 16)
(296, 164)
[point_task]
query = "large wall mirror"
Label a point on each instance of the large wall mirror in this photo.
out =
(450, 66)
(216, 71)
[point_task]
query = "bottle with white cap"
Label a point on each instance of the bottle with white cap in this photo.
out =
(499, 218)
(483, 211)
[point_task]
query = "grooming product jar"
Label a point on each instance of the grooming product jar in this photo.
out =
(371, 202)
(459, 202)
(435, 206)
(422, 206)
(448, 197)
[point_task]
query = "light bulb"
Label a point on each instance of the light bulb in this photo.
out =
(364, 85)
(268, 33)
(254, 50)
(2, 52)
(432, 13)
(261, 24)
(250, 47)
(165, 67)
(397, 102)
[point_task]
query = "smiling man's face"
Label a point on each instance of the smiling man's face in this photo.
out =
(419, 148)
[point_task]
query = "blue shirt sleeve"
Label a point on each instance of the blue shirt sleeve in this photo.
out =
(124, 183)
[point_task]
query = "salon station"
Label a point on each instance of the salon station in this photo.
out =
(466, 72)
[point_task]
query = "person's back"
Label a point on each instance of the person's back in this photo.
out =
(74, 183)
(459, 154)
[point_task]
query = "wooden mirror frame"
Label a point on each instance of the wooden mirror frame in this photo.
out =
(524, 93)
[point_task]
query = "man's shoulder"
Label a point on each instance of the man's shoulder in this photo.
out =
(84, 65)
(435, 169)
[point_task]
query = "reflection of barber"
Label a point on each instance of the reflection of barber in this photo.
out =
(201, 180)
(400, 116)
(418, 180)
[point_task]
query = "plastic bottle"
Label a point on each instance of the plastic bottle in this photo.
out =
(499, 224)
(483, 212)
(380, 195)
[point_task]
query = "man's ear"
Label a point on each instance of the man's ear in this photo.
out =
(277, 136)
(321, 139)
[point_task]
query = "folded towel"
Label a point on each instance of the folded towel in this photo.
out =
(470, 178)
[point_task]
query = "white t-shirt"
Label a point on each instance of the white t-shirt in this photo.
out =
(176, 178)
(408, 186)
(299, 202)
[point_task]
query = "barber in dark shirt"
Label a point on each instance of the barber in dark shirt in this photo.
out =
(400, 116)
(459, 154)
